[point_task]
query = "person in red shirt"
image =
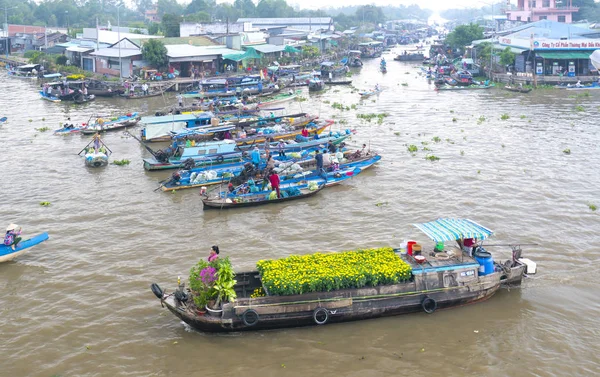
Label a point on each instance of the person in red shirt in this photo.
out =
(274, 179)
(304, 131)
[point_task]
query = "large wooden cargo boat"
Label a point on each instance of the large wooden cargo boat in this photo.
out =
(438, 281)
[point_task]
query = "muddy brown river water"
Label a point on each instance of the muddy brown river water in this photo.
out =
(80, 304)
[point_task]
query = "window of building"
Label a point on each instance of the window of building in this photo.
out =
(562, 18)
(546, 3)
(543, 18)
(518, 18)
(113, 64)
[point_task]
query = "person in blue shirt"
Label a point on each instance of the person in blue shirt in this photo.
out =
(255, 156)
(319, 160)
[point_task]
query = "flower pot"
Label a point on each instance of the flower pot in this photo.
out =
(214, 312)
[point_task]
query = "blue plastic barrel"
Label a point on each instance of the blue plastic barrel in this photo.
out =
(486, 265)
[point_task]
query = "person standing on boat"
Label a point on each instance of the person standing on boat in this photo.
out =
(281, 148)
(255, 155)
(319, 160)
(97, 142)
(304, 131)
(11, 238)
(213, 254)
(274, 180)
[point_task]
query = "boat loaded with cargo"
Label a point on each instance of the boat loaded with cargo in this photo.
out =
(323, 288)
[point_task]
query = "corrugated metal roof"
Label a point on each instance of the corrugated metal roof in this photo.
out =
(285, 21)
(80, 49)
(181, 51)
(114, 52)
(267, 48)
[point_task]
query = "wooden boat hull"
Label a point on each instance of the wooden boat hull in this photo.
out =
(8, 254)
(223, 204)
(342, 306)
(105, 92)
(108, 127)
(96, 160)
(49, 98)
(141, 96)
(517, 90)
(344, 82)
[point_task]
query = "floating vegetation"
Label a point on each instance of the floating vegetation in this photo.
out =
(478, 171)
(426, 149)
(407, 73)
(449, 141)
(121, 162)
(404, 84)
(301, 99)
(503, 145)
(504, 116)
(43, 129)
(436, 139)
(579, 108)
(397, 133)
(44, 204)
(381, 204)
(592, 206)
(451, 111)
(327, 101)
(336, 91)
(424, 142)
(462, 153)
(343, 121)
(481, 119)
(523, 116)
(454, 119)
(353, 106)
(412, 148)
(567, 151)
(371, 116)
(431, 157)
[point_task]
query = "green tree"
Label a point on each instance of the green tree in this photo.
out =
(170, 25)
(274, 8)
(198, 17)
(310, 52)
(507, 57)
(464, 35)
(369, 14)
(153, 28)
(155, 52)
(588, 10)
(198, 6)
(247, 8)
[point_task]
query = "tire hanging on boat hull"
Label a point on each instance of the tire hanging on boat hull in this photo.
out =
(320, 316)
(250, 317)
(429, 305)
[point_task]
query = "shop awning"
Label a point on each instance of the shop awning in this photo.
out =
(450, 229)
(291, 49)
(564, 55)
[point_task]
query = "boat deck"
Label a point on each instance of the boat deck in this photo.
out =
(456, 258)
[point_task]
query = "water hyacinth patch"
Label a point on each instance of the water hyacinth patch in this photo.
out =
(321, 272)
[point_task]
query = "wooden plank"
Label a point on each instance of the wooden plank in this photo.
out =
(294, 308)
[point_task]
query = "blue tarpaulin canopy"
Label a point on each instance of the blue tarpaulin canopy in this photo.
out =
(449, 229)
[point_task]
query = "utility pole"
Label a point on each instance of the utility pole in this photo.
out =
(119, 39)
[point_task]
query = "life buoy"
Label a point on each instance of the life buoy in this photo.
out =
(429, 305)
(250, 317)
(220, 159)
(181, 296)
(320, 316)
(156, 290)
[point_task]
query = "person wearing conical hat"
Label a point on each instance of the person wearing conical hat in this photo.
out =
(11, 238)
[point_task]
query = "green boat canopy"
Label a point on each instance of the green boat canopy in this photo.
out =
(291, 49)
(565, 55)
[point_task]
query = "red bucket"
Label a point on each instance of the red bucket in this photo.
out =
(409, 246)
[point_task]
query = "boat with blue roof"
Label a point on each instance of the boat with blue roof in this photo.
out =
(290, 292)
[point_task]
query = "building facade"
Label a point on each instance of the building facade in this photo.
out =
(538, 10)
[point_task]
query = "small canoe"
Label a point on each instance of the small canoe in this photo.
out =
(7, 253)
(368, 93)
(48, 97)
(66, 131)
(251, 200)
(108, 127)
(463, 88)
(517, 90)
(342, 82)
(141, 96)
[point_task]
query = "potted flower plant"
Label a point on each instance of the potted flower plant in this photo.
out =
(212, 284)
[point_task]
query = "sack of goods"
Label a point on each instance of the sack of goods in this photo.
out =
(312, 185)
(273, 195)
